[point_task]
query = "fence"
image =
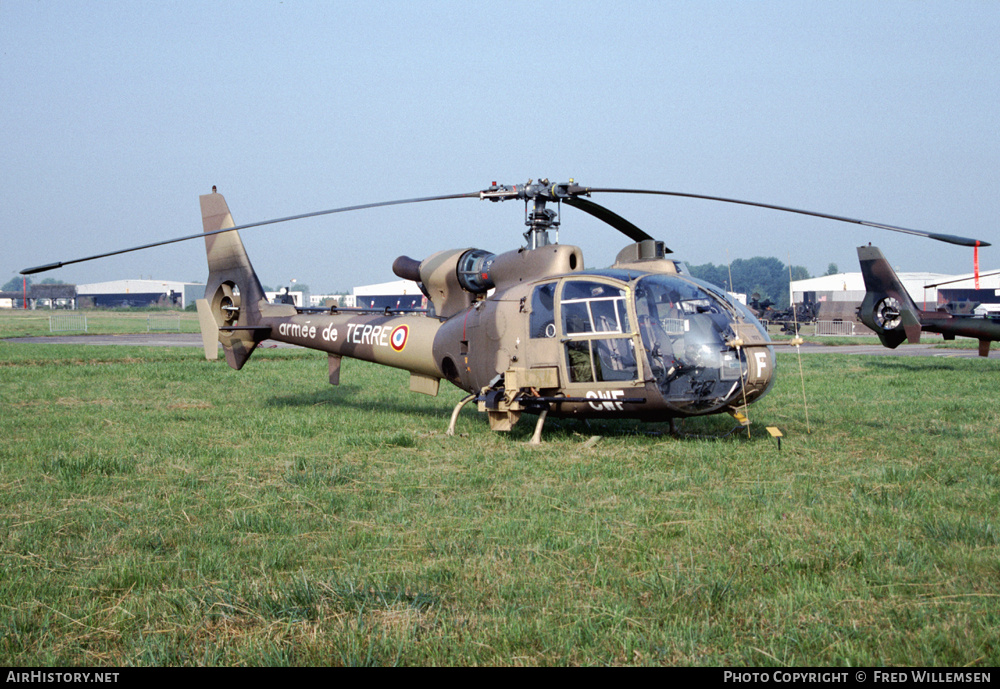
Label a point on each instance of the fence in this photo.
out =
(836, 328)
(161, 322)
(73, 322)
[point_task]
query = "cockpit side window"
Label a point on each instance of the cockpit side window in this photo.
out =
(593, 307)
(595, 321)
(600, 361)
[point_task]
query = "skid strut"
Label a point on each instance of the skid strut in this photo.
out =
(454, 413)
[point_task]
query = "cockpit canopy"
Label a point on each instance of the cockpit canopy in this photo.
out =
(684, 325)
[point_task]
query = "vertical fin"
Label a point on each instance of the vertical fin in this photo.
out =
(233, 292)
(911, 326)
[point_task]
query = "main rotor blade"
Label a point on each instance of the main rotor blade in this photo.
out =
(950, 238)
(60, 264)
(610, 217)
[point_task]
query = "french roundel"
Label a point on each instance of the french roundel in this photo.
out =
(398, 337)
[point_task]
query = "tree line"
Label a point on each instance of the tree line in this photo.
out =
(16, 284)
(766, 277)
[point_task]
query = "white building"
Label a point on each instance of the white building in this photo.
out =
(318, 300)
(850, 287)
(400, 294)
(123, 293)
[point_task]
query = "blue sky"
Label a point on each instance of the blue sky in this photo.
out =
(117, 115)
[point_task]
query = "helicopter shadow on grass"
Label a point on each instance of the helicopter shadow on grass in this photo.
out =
(355, 397)
(555, 429)
(901, 364)
(571, 429)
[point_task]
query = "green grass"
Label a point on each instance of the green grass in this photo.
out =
(159, 509)
(927, 338)
(27, 323)
(828, 340)
(964, 343)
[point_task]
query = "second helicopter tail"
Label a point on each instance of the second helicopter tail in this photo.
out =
(887, 308)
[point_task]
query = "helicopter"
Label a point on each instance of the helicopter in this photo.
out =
(528, 331)
(889, 310)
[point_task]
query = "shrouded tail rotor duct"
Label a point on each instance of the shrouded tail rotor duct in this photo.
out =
(225, 304)
(474, 271)
(888, 313)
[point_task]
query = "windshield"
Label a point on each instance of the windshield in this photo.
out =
(685, 325)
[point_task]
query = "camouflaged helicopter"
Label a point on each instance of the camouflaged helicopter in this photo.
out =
(527, 331)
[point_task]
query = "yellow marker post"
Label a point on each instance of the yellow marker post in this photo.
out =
(775, 433)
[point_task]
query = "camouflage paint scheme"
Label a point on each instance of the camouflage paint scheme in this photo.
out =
(889, 310)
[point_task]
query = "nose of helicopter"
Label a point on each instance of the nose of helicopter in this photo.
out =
(705, 350)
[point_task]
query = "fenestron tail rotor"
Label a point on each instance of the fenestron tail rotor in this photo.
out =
(888, 313)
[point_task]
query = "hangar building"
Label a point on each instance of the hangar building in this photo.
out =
(137, 293)
(400, 294)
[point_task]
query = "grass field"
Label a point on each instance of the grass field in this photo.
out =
(159, 509)
(27, 323)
